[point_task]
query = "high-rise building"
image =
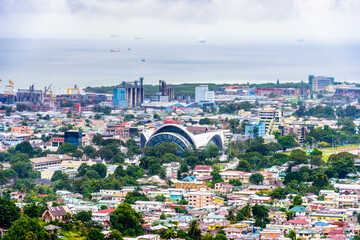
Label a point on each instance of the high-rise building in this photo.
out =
(73, 137)
(320, 82)
(203, 96)
(119, 98)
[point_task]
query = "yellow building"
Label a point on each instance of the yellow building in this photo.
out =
(281, 203)
(277, 215)
(325, 216)
(219, 200)
(241, 226)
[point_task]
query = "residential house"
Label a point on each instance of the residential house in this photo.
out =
(270, 234)
(202, 170)
(259, 200)
(224, 187)
(307, 234)
(55, 213)
(232, 175)
(103, 217)
(298, 211)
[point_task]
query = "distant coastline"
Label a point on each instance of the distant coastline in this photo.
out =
(189, 88)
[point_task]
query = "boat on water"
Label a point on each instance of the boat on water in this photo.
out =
(200, 40)
(142, 60)
(115, 50)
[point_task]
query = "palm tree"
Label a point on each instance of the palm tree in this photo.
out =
(306, 176)
(208, 237)
(67, 217)
(194, 231)
(169, 233)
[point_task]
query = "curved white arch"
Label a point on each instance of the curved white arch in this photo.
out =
(164, 135)
(189, 134)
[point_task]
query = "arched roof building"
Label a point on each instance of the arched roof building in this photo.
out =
(181, 136)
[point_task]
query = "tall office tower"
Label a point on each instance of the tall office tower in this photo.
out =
(320, 82)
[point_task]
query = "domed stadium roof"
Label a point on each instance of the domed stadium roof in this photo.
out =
(181, 136)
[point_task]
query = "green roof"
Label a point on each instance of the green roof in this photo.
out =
(297, 209)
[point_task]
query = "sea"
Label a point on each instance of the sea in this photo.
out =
(65, 63)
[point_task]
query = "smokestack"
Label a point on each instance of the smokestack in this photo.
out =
(141, 81)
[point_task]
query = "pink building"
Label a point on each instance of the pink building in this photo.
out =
(22, 130)
(201, 199)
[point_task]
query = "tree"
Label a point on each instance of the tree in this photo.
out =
(194, 231)
(92, 174)
(95, 234)
(22, 169)
(105, 153)
(78, 154)
(57, 175)
(235, 182)
(320, 180)
(220, 237)
(3, 178)
(160, 198)
(207, 237)
(34, 210)
(261, 215)
(278, 193)
(83, 216)
(260, 211)
(178, 210)
(118, 158)
(342, 165)
(184, 168)
(20, 157)
(168, 158)
(67, 148)
(101, 169)
(25, 147)
(26, 227)
(82, 169)
(132, 197)
(88, 150)
(244, 166)
(216, 177)
(9, 213)
(124, 217)
(120, 172)
(291, 235)
(287, 141)
(69, 114)
(298, 157)
(181, 234)
(256, 178)
(297, 201)
(115, 235)
(169, 233)
(97, 139)
(205, 121)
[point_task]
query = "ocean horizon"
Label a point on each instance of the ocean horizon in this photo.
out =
(64, 63)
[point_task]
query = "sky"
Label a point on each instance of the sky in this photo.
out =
(253, 20)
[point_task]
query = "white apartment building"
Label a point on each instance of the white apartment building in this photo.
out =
(171, 168)
(203, 95)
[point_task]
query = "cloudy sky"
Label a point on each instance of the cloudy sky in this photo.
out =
(314, 20)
